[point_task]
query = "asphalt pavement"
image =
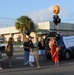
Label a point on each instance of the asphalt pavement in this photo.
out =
(46, 66)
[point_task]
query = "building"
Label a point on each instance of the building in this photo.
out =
(62, 28)
(12, 32)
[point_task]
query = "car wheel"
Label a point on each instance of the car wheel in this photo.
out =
(47, 57)
(3, 49)
(67, 55)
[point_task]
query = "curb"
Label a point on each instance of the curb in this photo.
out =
(23, 69)
(30, 68)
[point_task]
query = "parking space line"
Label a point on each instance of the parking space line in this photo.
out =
(19, 57)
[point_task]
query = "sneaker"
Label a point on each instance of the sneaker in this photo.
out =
(31, 65)
(57, 64)
(10, 65)
(25, 63)
(1, 68)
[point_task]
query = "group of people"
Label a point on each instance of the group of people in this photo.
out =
(29, 51)
(54, 49)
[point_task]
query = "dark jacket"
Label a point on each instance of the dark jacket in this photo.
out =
(40, 46)
(26, 46)
(31, 44)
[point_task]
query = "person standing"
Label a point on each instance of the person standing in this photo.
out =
(26, 46)
(56, 56)
(31, 54)
(52, 45)
(9, 50)
(41, 47)
(31, 57)
(30, 42)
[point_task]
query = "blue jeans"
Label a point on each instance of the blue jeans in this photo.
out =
(26, 57)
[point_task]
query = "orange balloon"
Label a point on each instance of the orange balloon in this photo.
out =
(56, 9)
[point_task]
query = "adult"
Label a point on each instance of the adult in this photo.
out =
(41, 48)
(26, 46)
(30, 42)
(9, 50)
(52, 44)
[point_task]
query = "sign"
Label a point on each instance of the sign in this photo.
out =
(68, 41)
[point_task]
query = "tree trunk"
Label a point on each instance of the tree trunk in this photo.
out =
(24, 36)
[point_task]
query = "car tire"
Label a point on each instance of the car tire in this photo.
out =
(67, 55)
(48, 57)
(3, 49)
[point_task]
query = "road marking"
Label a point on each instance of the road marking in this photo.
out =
(3, 58)
(19, 57)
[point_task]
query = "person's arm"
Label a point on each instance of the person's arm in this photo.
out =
(24, 45)
(54, 54)
(38, 44)
(6, 46)
(50, 45)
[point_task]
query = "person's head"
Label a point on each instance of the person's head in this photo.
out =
(30, 38)
(41, 39)
(52, 39)
(10, 40)
(57, 49)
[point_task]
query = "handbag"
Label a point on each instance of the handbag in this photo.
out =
(7, 49)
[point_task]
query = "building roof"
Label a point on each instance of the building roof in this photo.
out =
(8, 30)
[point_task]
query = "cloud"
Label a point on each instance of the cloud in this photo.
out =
(47, 14)
(44, 15)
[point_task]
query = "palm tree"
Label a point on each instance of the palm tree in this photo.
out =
(24, 23)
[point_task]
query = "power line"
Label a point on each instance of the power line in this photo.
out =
(35, 20)
(8, 18)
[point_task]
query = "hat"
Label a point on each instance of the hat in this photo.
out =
(31, 37)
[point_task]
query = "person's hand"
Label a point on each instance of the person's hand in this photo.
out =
(53, 56)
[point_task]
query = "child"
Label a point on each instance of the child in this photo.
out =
(31, 57)
(56, 56)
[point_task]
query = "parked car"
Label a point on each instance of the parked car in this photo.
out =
(2, 47)
(65, 53)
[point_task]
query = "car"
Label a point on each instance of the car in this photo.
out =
(2, 47)
(64, 52)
